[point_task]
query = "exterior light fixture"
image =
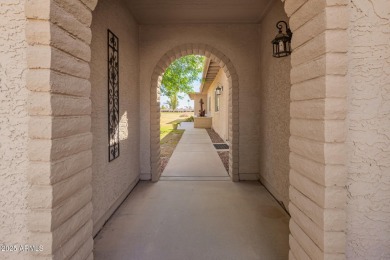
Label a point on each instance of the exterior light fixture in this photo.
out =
(282, 42)
(218, 90)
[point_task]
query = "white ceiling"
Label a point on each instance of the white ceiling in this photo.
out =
(198, 11)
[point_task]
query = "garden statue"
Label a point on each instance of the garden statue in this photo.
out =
(202, 112)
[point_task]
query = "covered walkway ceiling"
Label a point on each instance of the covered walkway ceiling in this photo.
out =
(210, 71)
(198, 11)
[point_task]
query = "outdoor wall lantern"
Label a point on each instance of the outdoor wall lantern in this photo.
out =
(218, 90)
(282, 42)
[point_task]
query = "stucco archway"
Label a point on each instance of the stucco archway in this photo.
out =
(59, 156)
(225, 63)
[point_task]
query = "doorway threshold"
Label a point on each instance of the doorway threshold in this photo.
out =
(195, 178)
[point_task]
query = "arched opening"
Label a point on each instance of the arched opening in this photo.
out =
(194, 120)
(228, 68)
(56, 67)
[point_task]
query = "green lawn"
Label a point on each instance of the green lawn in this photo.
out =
(167, 120)
(169, 137)
(166, 130)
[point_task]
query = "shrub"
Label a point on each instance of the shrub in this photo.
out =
(190, 119)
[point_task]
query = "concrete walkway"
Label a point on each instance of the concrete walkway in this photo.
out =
(197, 219)
(194, 158)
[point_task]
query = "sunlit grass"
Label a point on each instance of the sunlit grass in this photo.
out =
(166, 130)
(169, 137)
(167, 122)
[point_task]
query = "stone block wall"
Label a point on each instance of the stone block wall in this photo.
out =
(318, 131)
(60, 139)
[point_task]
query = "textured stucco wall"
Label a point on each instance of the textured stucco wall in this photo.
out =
(111, 181)
(220, 118)
(239, 43)
(274, 109)
(368, 207)
(13, 126)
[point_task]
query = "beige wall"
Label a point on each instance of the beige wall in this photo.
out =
(274, 116)
(13, 127)
(220, 118)
(112, 181)
(368, 206)
(238, 43)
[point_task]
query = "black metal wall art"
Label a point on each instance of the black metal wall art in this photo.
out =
(113, 96)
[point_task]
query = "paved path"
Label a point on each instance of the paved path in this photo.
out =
(194, 158)
(196, 220)
(177, 219)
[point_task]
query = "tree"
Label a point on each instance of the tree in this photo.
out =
(173, 101)
(179, 76)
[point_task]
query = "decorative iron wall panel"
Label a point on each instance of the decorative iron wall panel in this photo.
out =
(113, 96)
